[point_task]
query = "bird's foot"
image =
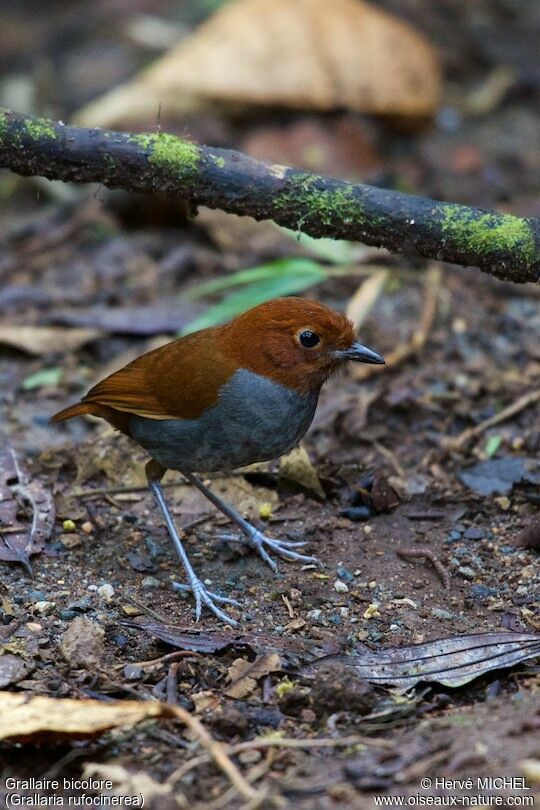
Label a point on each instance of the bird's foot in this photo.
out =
(260, 542)
(205, 597)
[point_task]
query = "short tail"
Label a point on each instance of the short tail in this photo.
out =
(76, 410)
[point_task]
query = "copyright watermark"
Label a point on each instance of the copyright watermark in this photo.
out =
(479, 791)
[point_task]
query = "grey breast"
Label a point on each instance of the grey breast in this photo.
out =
(255, 419)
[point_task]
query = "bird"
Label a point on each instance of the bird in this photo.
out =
(226, 397)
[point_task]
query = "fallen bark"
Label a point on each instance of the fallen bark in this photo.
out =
(503, 245)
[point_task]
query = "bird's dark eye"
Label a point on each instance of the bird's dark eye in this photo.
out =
(309, 339)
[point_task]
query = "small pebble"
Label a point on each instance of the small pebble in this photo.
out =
(249, 757)
(314, 614)
(150, 582)
(372, 585)
(69, 526)
(87, 527)
(356, 513)
(439, 613)
(130, 610)
(44, 607)
(70, 540)
(480, 592)
(472, 533)
(106, 591)
(372, 611)
(265, 511)
(340, 586)
(466, 572)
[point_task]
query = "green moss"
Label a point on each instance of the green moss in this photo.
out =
(169, 152)
(3, 123)
(39, 128)
(218, 161)
(488, 233)
(328, 206)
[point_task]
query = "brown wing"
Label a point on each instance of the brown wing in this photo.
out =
(177, 381)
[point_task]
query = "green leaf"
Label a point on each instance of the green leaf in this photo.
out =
(492, 445)
(256, 293)
(280, 268)
(335, 251)
(46, 376)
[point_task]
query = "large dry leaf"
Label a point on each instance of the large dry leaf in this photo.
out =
(19, 540)
(452, 661)
(24, 718)
(297, 468)
(292, 649)
(41, 340)
(309, 54)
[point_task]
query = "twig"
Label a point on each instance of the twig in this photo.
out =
(144, 608)
(282, 742)
(501, 244)
(218, 753)
(392, 458)
(89, 493)
(419, 336)
(154, 662)
(429, 555)
(288, 605)
(455, 443)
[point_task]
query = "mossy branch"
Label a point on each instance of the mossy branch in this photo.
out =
(506, 246)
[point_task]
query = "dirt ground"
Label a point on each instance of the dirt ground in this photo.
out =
(467, 348)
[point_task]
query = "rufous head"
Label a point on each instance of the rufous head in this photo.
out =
(295, 342)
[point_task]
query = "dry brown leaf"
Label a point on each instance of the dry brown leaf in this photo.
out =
(205, 701)
(244, 675)
(25, 718)
(310, 54)
(41, 340)
(297, 467)
(19, 538)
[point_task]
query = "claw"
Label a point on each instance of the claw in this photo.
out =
(222, 600)
(260, 543)
(204, 596)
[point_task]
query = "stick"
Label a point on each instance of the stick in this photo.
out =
(429, 555)
(218, 753)
(501, 244)
(282, 742)
(420, 335)
(450, 443)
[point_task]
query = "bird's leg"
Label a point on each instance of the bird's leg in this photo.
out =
(255, 538)
(154, 474)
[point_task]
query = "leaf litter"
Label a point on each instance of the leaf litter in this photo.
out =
(21, 540)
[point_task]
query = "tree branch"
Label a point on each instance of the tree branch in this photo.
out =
(506, 246)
